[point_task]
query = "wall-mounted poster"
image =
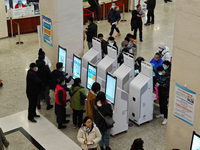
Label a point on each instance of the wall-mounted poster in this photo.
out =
(47, 30)
(184, 104)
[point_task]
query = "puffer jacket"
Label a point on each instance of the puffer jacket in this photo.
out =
(75, 102)
(114, 14)
(94, 135)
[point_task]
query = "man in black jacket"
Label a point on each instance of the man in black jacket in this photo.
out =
(95, 7)
(33, 87)
(151, 4)
(57, 74)
(91, 31)
(44, 74)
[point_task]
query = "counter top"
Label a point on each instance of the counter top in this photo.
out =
(86, 4)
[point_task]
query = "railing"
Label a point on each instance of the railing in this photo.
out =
(18, 31)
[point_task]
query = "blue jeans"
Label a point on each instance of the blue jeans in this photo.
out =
(105, 139)
(112, 29)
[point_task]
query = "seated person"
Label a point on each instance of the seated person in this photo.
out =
(19, 4)
(138, 62)
(124, 48)
(111, 42)
(103, 45)
(132, 44)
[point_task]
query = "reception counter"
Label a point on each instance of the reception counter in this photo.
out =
(28, 24)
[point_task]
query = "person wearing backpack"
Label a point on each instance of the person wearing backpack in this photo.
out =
(102, 109)
(78, 96)
(113, 18)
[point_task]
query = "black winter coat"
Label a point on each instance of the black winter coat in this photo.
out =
(33, 83)
(91, 32)
(99, 120)
(43, 72)
(151, 4)
(94, 4)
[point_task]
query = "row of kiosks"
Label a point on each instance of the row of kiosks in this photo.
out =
(131, 97)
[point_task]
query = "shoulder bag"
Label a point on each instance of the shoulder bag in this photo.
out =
(109, 120)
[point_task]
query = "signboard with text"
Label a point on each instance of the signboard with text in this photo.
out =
(47, 30)
(184, 104)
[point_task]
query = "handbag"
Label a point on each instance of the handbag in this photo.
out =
(109, 120)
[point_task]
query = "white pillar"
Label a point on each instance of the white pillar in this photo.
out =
(67, 27)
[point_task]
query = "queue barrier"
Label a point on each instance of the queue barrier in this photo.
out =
(18, 31)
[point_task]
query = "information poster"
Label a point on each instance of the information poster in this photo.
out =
(47, 30)
(184, 104)
(92, 71)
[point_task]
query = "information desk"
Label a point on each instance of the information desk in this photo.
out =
(107, 8)
(28, 24)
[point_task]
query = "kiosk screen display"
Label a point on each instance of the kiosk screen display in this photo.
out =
(62, 57)
(195, 145)
(111, 83)
(91, 75)
(77, 67)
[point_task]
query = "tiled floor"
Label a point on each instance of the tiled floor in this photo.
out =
(15, 59)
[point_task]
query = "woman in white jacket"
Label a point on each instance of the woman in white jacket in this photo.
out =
(89, 135)
(164, 51)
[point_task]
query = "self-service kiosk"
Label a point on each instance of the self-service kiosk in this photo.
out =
(141, 95)
(108, 64)
(124, 75)
(94, 56)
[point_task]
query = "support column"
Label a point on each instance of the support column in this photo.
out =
(67, 27)
(185, 71)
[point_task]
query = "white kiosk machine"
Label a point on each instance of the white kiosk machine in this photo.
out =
(141, 95)
(124, 74)
(94, 55)
(108, 64)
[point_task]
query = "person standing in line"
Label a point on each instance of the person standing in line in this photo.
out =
(112, 42)
(101, 106)
(45, 75)
(151, 4)
(89, 135)
(91, 31)
(77, 103)
(96, 87)
(3, 140)
(138, 65)
(136, 21)
(33, 88)
(156, 62)
(46, 59)
(167, 67)
(164, 51)
(95, 7)
(163, 87)
(113, 18)
(138, 144)
(60, 104)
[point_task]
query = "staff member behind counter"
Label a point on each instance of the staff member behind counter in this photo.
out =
(19, 4)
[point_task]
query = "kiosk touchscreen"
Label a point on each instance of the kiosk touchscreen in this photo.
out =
(111, 83)
(195, 144)
(62, 57)
(77, 61)
(91, 75)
